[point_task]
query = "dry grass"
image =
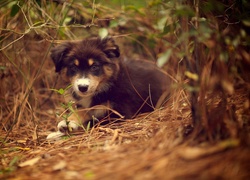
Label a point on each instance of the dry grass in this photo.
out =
(157, 145)
(152, 146)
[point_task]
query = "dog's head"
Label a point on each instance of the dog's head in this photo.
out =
(90, 64)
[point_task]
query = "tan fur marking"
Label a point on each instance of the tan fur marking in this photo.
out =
(96, 79)
(108, 71)
(91, 62)
(97, 111)
(80, 117)
(76, 62)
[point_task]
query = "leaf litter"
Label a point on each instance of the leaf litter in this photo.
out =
(152, 146)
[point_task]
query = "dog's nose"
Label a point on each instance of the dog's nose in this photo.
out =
(83, 88)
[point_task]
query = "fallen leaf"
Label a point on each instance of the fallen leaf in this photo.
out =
(30, 162)
(23, 149)
(59, 166)
(191, 153)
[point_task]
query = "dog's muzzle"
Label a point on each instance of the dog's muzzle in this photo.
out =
(82, 84)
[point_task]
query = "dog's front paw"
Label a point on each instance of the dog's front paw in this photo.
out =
(67, 126)
(63, 128)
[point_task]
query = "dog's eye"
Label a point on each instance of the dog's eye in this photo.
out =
(94, 68)
(74, 68)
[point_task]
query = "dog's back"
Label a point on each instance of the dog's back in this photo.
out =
(139, 86)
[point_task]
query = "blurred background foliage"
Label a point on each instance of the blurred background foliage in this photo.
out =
(203, 45)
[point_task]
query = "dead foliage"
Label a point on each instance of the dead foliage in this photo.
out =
(152, 146)
(201, 134)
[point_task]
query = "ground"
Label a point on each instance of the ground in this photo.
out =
(180, 36)
(153, 146)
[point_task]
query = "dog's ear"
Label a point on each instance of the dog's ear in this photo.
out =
(58, 55)
(110, 48)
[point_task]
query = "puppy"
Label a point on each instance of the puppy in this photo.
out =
(103, 84)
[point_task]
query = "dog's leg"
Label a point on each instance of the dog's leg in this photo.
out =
(80, 118)
(66, 126)
(71, 124)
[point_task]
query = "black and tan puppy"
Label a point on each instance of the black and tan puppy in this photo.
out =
(101, 81)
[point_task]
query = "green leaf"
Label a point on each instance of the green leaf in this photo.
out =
(246, 23)
(224, 56)
(61, 91)
(184, 11)
(39, 23)
(192, 76)
(166, 29)
(14, 10)
(161, 23)
(135, 9)
(88, 127)
(163, 59)
(103, 32)
(113, 24)
(14, 161)
(89, 175)
(67, 20)
(64, 105)
(192, 88)
(2, 67)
